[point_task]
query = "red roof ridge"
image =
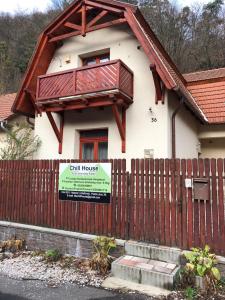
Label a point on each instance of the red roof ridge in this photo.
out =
(205, 75)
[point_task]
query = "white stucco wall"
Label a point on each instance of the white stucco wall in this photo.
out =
(141, 132)
(213, 148)
(187, 125)
(212, 138)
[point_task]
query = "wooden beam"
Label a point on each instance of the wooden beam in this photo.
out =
(119, 123)
(84, 21)
(54, 126)
(102, 6)
(77, 106)
(73, 26)
(61, 132)
(93, 28)
(58, 132)
(64, 36)
(108, 24)
(63, 20)
(97, 18)
(158, 85)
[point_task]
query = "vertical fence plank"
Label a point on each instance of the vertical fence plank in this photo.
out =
(152, 201)
(184, 205)
(196, 208)
(157, 207)
(221, 243)
(148, 205)
(173, 203)
(162, 202)
(167, 204)
(132, 200)
(178, 204)
(208, 205)
(214, 204)
(190, 206)
(202, 208)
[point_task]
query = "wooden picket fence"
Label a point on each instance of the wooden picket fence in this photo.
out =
(149, 203)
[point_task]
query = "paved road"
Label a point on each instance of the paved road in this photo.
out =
(11, 289)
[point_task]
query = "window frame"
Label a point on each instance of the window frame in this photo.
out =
(92, 140)
(97, 58)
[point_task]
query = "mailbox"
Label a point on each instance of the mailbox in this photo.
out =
(201, 189)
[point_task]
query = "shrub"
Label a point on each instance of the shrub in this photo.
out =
(52, 255)
(190, 293)
(101, 260)
(12, 245)
(202, 263)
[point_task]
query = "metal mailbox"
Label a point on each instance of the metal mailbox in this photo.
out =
(201, 189)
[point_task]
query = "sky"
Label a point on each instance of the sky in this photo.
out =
(29, 5)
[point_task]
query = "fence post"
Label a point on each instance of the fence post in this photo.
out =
(128, 201)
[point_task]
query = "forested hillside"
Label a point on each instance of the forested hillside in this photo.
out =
(193, 36)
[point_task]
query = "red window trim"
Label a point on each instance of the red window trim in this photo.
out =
(96, 57)
(92, 140)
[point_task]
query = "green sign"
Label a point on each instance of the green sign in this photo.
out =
(90, 182)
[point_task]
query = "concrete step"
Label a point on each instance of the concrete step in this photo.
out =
(152, 251)
(145, 271)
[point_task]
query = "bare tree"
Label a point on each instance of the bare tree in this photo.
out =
(20, 143)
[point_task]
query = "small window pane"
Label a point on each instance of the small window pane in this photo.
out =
(104, 58)
(103, 150)
(94, 133)
(90, 61)
(88, 151)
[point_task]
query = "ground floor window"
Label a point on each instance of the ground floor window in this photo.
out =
(94, 144)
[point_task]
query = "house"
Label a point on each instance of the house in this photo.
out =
(7, 117)
(100, 85)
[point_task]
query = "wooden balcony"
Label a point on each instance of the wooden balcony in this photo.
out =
(86, 85)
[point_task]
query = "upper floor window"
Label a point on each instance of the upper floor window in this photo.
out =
(96, 59)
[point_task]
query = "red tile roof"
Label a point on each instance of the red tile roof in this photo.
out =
(208, 90)
(6, 102)
(205, 75)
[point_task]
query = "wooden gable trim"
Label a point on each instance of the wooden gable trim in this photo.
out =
(159, 86)
(58, 132)
(150, 52)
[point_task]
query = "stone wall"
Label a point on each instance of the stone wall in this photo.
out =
(39, 238)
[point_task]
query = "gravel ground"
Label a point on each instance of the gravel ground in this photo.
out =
(28, 267)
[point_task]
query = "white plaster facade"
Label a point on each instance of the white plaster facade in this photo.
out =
(148, 126)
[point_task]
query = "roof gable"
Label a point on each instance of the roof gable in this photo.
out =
(83, 16)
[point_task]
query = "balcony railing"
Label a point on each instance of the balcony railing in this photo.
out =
(113, 75)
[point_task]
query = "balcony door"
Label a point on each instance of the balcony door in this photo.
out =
(94, 144)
